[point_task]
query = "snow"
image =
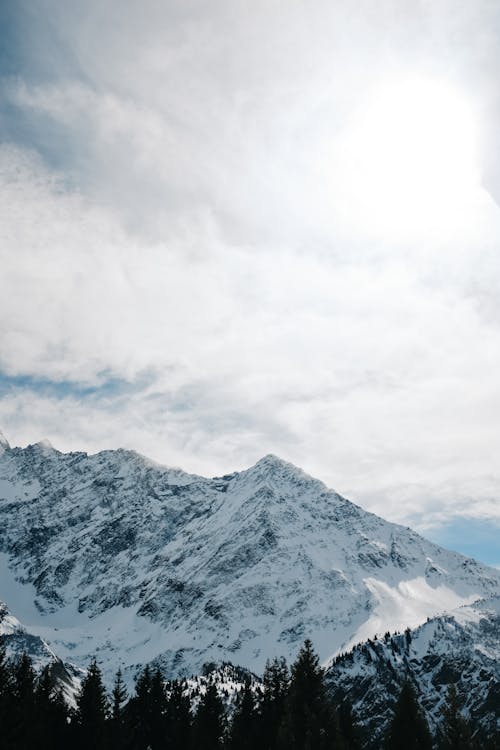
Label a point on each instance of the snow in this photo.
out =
(45, 444)
(408, 604)
(10, 591)
(460, 646)
(114, 556)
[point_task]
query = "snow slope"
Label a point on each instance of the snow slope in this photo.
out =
(113, 555)
(461, 647)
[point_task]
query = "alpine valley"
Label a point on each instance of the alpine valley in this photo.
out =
(114, 556)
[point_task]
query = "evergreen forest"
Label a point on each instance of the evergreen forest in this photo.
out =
(290, 711)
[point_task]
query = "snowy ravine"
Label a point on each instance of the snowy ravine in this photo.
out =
(461, 647)
(114, 555)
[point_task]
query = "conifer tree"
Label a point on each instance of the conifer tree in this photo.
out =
(178, 718)
(23, 711)
(158, 710)
(5, 674)
(276, 681)
(143, 685)
(348, 728)
(6, 697)
(52, 714)
(209, 722)
(244, 723)
(408, 729)
(146, 712)
(311, 723)
(91, 709)
(118, 696)
(455, 731)
(118, 700)
(139, 712)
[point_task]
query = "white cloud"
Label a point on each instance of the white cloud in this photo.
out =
(193, 246)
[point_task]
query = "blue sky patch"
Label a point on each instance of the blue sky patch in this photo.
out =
(108, 387)
(474, 537)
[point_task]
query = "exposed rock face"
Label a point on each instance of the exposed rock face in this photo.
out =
(461, 647)
(115, 555)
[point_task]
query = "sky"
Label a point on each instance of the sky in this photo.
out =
(236, 228)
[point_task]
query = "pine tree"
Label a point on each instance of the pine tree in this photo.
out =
(158, 710)
(455, 731)
(91, 709)
(5, 674)
(52, 714)
(23, 708)
(348, 728)
(408, 729)
(118, 697)
(276, 681)
(139, 713)
(6, 699)
(209, 722)
(146, 712)
(118, 700)
(311, 722)
(178, 718)
(244, 724)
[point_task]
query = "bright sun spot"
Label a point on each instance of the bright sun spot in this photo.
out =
(409, 161)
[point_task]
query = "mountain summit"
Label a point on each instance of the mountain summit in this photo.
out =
(111, 553)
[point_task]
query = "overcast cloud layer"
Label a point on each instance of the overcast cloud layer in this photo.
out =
(191, 268)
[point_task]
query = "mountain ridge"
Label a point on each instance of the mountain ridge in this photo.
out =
(141, 562)
(460, 647)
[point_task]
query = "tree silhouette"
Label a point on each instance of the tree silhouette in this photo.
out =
(118, 700)
(178, 717)
(408, 729)
(51, 714)
(348, 728)
(91, 709)
(23, 707)
(455, 731)
(209, 721)
(311, 721)
(244, 723)
(276, 681)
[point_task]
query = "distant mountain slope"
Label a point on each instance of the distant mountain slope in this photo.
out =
(461, 647)
(17, 640)
(114, 554)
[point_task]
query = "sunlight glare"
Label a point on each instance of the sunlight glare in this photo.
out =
(410, 159)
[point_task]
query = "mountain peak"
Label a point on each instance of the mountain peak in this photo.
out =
(273, 461)
(44, 445)
(240, 567)
(275, 468)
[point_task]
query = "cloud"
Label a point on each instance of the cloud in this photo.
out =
(178, 109)
(178, 277)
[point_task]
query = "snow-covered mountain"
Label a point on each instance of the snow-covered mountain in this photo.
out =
(114, 555)
(16, 639)
(461, 647)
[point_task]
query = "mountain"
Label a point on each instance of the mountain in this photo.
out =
(114, 555)
(461, 647)
(17, 640)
